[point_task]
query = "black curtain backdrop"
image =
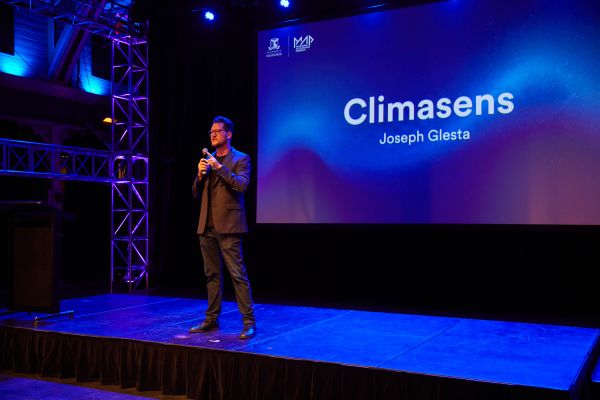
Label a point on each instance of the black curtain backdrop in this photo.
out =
(519, 272)
(197, 73)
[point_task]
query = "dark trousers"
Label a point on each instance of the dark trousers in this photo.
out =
(218, 248)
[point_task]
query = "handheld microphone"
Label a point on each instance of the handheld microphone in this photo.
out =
(205, 152)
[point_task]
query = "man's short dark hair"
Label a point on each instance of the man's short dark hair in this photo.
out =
(227, 123)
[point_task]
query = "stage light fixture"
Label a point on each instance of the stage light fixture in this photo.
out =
(284, 3)
(209, 15)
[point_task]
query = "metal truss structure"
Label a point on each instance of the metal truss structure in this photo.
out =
(40, 160)
(126, 165)
(130, 141)
(101, 17)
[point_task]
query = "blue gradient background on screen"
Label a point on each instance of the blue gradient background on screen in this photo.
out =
(539, 164)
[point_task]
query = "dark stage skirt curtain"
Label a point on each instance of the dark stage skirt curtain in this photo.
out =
(217, 374)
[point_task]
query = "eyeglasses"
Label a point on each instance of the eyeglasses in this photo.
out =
(215, 132)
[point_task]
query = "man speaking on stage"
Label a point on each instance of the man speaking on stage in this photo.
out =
(220, 184)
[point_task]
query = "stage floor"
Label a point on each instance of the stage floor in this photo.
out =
(511, 353)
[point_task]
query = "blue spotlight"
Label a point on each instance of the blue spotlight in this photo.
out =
(284, 3)
(209, 15)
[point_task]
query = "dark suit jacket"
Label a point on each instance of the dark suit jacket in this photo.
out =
(228, 209)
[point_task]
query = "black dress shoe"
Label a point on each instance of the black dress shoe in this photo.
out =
(205, 326)
(248, 332)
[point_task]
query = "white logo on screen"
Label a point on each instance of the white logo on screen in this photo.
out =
(274, 49)
(303, 43)
(274, 44)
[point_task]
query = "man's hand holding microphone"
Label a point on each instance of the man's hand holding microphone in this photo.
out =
(208, 163)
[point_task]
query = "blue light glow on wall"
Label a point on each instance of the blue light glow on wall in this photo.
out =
(31, 52)
(94, 85)
(31, 55)
(83, 78)
(13, 65)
